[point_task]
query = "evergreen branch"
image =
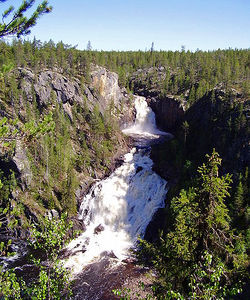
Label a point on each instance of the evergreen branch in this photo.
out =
(7, 13)
(19, 24)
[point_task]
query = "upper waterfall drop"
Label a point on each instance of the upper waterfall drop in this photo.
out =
(145, 125)
(118, 209)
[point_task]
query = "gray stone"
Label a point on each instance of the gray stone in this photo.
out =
(102, 90)
(52, 213)
(22, 163)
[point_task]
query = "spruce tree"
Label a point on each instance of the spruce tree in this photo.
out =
(201, 224)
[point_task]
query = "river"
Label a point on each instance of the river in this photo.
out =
(117, 210)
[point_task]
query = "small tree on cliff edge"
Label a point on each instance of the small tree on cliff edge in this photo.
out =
(15, 23)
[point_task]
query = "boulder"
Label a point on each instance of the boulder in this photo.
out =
(98, 229)
(52, 213)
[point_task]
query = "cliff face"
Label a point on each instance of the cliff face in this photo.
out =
(220, 120)
(105, 84)
(169, 112)
(103, 90)
(54, 170)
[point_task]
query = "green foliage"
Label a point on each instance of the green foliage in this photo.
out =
(31, 129)
(53, 281)
(14, 21)
(10, 286)
(185, 127)
(53, 159)
(52, 235)
(59, 148)
(204, 283)
(127, 293)
(8, 132)
(201, 224)
(9, 210)
(166, 72)
(5, 69)
(206, 280)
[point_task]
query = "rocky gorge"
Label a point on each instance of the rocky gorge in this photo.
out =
(78, 101)
(57, 165)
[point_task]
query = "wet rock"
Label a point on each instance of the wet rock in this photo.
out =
(111, 254)
(78, 225)
(156, 224)
(139, 169)
(98, 229)
(129, 260)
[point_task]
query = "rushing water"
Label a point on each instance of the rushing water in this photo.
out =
(118, 209)
(145, 125)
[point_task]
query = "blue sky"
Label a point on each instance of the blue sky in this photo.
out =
(135, 24)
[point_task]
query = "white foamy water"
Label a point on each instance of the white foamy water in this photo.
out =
(118, 209)
(145, 125)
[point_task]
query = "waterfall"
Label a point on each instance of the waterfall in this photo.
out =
(145, 125)
(118, 209)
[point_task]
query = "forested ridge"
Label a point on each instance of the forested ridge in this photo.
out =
(202, 251)
(198, 71)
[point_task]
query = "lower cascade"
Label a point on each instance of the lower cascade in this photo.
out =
(117, 210)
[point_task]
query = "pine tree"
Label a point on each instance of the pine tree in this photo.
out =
(185, 127)
(19, 24)
(239, 199)
(191, 97)
(89, 46)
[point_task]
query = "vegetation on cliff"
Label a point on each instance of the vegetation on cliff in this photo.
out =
(48, 279)
(53, 142)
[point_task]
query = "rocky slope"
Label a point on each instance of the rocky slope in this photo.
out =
(84, 145)
(220, 120)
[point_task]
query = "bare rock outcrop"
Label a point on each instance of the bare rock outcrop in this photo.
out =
(103, 90)
(105, 85)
